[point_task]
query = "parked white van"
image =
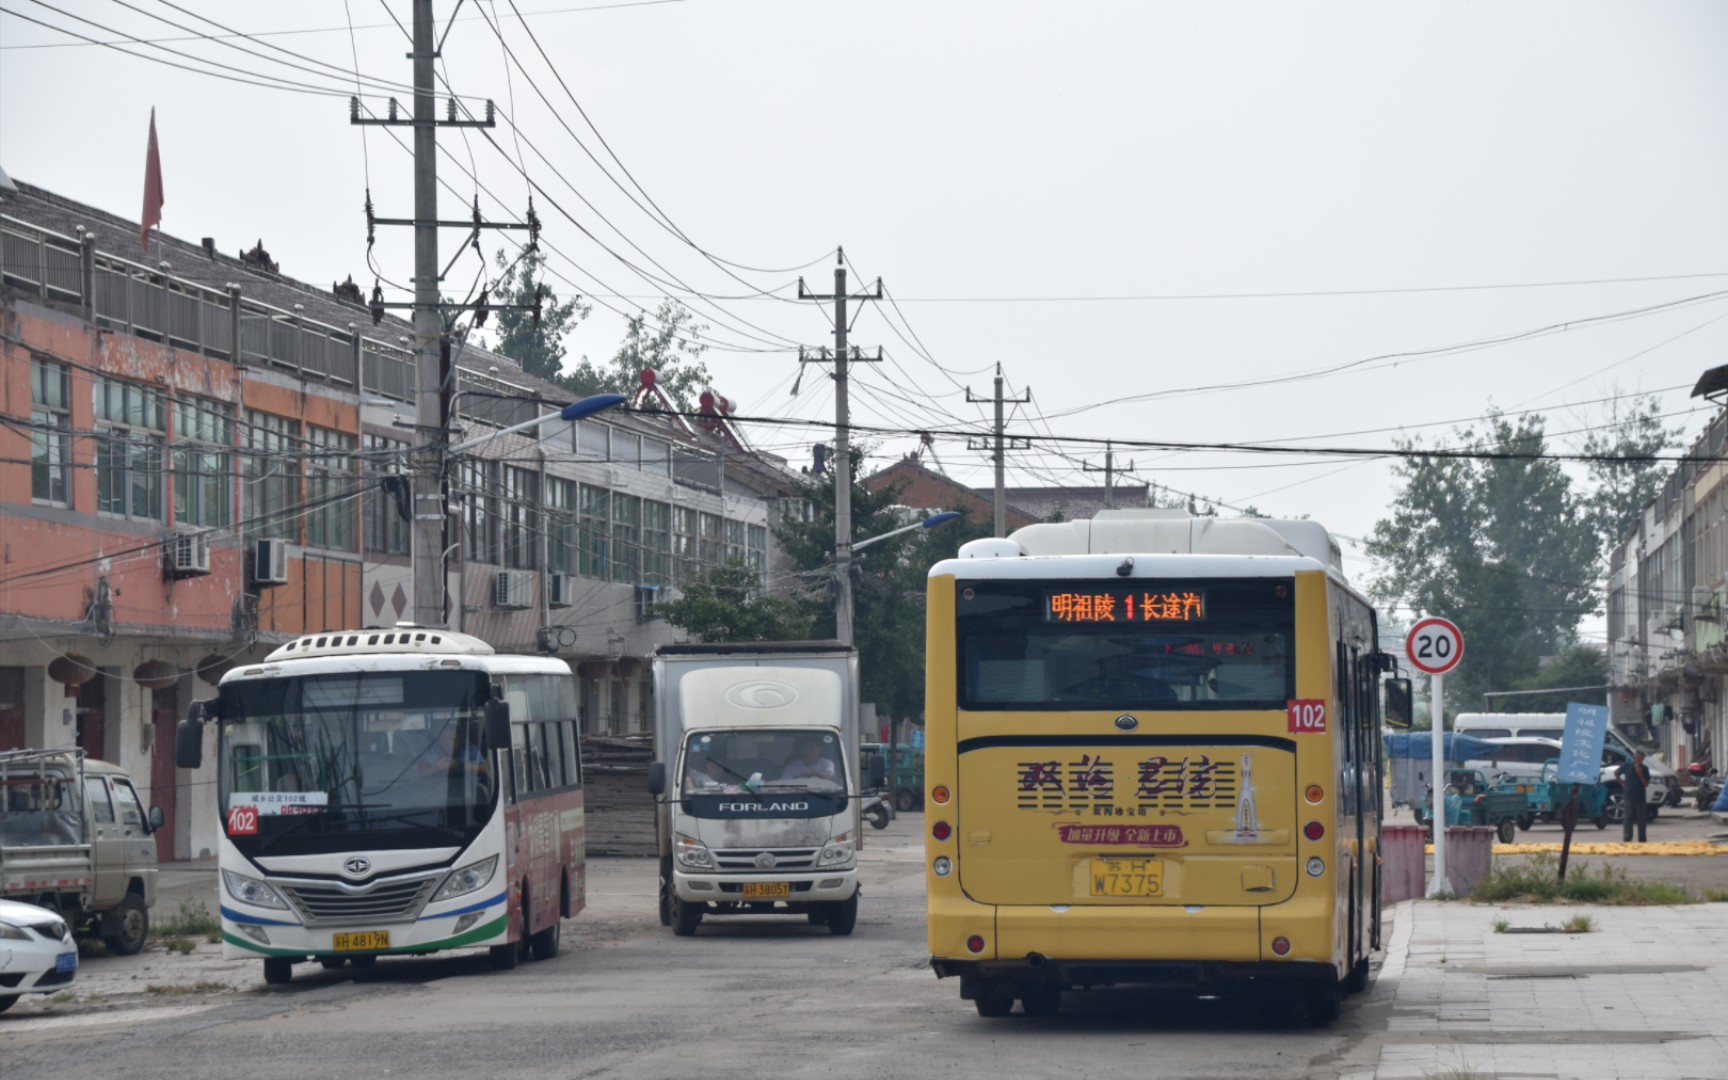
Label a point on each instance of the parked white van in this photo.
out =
(1522, 756)
(1550, 726)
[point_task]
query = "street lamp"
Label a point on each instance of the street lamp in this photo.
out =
(428, 566)
(843, 604)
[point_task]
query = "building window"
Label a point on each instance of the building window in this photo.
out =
(383, 527)
(709, 549)
(593, 442)
(51, 433)
(656, 543)
(560, 525)
(734, 532)
(270, 476)
(626, 448)
(626, 536)
(656, 457)
(130, 450)
(686, 562)
(521, 518)
(329, 485)
(757, 558)
(480, 510)
(203, 438)
(596, 532)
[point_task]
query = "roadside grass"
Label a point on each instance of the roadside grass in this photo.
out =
(63, 997)
(180, 945)
(1501, 926)
(1716, 896)
(202, 986)
(1579, 924)
(192, 920)
(1537, 882)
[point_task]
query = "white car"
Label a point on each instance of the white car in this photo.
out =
(1521, 758)
(37, 953)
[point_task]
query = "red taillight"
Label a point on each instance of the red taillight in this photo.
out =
(941, 830)
(1281, 946)
(1313, 830)
(976, 943)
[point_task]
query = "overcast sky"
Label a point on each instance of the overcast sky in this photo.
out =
(1079, 191)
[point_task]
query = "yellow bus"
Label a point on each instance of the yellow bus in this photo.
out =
(1152, 758)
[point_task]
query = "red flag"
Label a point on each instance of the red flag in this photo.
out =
(152, 185)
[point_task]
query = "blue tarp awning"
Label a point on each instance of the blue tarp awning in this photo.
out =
(1420, 745)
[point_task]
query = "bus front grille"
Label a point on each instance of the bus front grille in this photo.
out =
(382, 901)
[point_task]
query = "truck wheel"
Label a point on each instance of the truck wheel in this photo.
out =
(1508, 830)
(842, 917)
(686, 916)
(278, 971)
(665, 892)
(1044, 999)
(504, 957)
(994, 1000)
(905, 800)
(1525, 821)
(544, 945)
(131, 920)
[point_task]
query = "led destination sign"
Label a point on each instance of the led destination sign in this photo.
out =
(1124, 606)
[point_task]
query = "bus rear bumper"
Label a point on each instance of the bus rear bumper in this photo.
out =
(1159, 974)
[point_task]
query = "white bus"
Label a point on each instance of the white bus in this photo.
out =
(393, 791)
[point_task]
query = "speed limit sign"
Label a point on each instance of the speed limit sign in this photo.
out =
(1434, 646)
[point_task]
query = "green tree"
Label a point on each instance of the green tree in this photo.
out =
(1578, 665)
(1499, 544)
(671, 347)
(727, 603)
(1631, 428)
(537, 346)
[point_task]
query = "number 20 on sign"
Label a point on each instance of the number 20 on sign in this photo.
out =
(1434, 646)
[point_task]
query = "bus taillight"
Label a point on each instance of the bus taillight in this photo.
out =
(976, 944)
(1314, 794)
(1281, 946)
(939, 794)
(941, 830)
(1313, 830)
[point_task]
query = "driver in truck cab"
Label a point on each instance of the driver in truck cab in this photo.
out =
(809, 762)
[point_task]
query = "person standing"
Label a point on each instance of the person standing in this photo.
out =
(1634, 777)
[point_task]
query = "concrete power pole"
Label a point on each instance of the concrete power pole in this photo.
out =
(998, 447)
(842, 442)
(1110, 472)
(433, 379)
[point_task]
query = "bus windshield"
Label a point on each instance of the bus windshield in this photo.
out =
(1186, 644)
(320, 759)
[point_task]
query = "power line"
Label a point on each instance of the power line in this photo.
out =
(1307, 293)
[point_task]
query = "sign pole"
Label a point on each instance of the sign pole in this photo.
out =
(1438, 885)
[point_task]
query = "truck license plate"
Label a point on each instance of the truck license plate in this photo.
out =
(361, 941)
(1127, 877)
(767, 890)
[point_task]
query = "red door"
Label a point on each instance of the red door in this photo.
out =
(163, 782)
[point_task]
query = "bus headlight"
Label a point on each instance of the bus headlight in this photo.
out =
(469, 878)
(249, 890)
(693, 853)
(837, 851)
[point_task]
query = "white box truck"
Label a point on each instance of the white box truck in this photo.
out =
(755, 777)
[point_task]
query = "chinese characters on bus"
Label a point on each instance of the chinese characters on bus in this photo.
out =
(1124, 606)
(1089, 784)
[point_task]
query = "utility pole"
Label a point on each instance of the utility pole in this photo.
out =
(998, 447)
(1109, 471)
(433, 377)
(842, 441)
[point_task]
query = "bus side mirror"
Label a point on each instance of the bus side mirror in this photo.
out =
(657, 778)
(497, 714)
(1399, 711)
(189, 738)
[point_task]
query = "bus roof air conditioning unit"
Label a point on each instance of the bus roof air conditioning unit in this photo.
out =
(513, 590)
(187, 555)
(269, 562)
(559, 589)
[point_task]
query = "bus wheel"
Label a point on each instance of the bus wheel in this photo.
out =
(1322, 1006)
(278, 971)
(544, 945)
(994, 1000)
(1044, 999)
(504, 956)
(1507, 831)
(842, 917)
(685, 916)
(1357, 980)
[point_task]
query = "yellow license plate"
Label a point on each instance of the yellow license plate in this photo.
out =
(767, 890)
(1127, 877)
(361, 941)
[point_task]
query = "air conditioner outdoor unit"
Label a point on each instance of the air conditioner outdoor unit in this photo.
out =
(513, 589)
(188, 554)
(1704, 603)
(647, 599)
(269, 562)
(560, 589)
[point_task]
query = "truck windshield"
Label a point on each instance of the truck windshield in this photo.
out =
(729, 762)
(322, 763)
